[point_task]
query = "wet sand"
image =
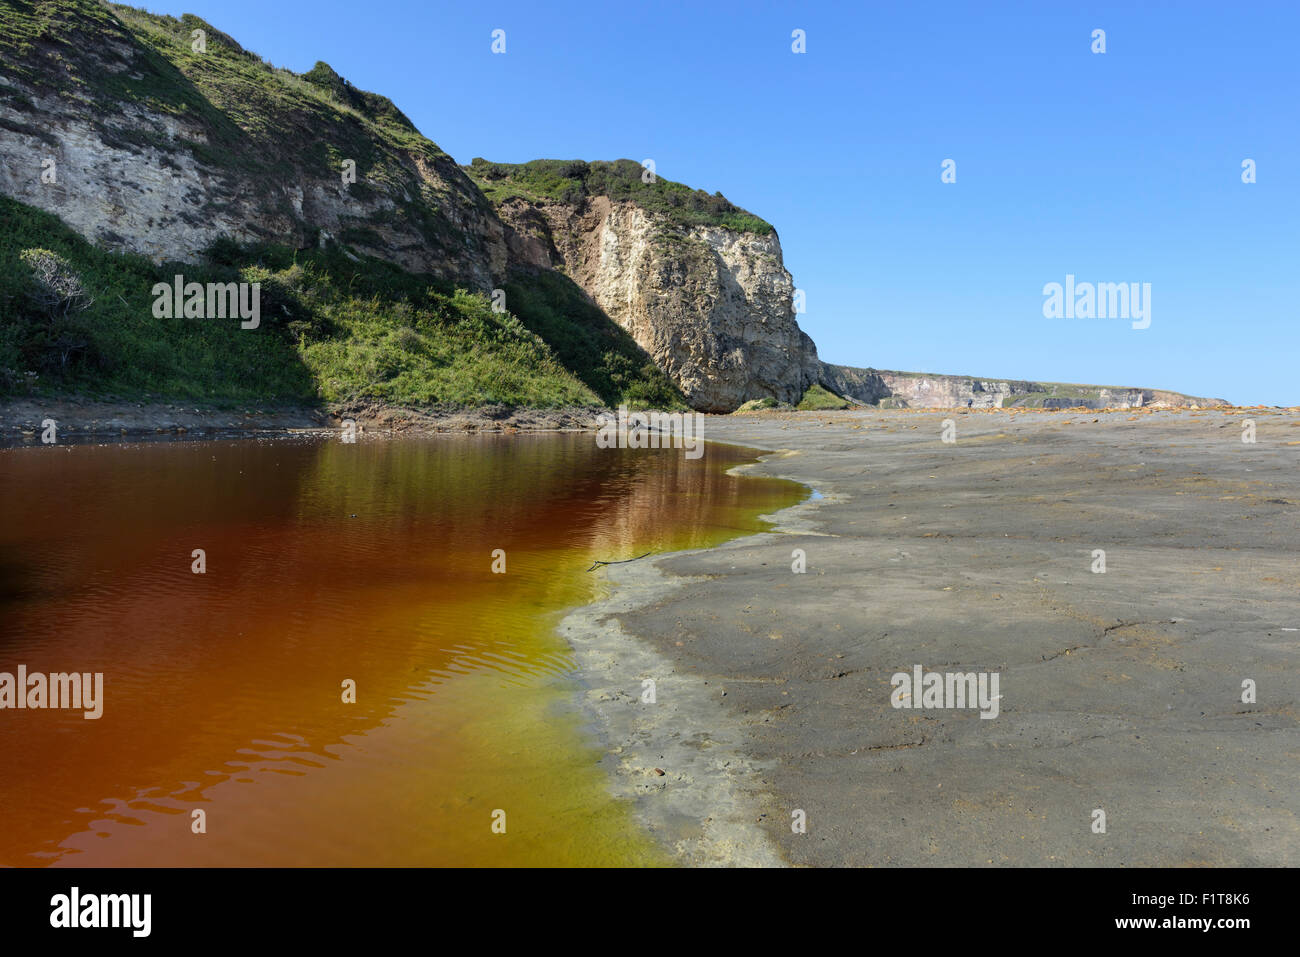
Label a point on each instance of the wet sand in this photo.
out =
(1121, 691)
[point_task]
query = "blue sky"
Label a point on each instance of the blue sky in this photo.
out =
(1115, 167)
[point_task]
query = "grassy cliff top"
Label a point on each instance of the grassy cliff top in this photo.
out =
(572, 181)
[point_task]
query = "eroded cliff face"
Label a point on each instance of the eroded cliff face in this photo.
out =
(953, 392)
(159, 136)
(861, 385)
(117, 121)
(162, 155)
(712, 306)
(911, 390)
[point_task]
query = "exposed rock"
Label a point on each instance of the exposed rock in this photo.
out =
(861, 385)
(82, 420)
(925, 391)
(713, 306)
(161, 150)
(161, 156)
(920, 391)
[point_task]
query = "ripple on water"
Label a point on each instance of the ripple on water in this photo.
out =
(325, 564)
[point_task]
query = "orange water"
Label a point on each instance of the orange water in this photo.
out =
(327, 561)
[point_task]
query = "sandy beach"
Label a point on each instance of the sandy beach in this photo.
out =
(1121, 690)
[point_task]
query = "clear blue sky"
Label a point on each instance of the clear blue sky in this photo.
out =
(1116, 167)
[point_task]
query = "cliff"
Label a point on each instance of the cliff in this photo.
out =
(164, 140)
(162, 146)
(160, 149)
(917, 390)
(698, 283)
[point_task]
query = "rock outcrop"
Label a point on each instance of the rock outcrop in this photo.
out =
(710, 301)
(164, 154)
(160, 136)
(865, 386)
(920, 391)
(913, 390)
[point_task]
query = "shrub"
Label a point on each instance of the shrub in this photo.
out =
(57, 289)
(47, 334)
(818, 399)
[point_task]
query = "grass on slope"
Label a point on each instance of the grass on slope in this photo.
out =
(331, 329)
(818, 399)
(338, 329)
(596, 349)
(243, 118)
(112, 54)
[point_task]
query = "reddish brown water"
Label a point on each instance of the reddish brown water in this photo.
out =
(325, 562)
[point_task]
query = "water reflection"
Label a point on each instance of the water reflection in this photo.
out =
(325, 562)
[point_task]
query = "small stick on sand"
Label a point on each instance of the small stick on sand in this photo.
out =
(623, 562)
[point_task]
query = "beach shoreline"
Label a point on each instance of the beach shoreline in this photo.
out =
(706, 805)
(22, 421)
(1121, 690)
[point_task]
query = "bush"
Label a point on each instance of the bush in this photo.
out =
(78, 320)
(818, 399)
(48, 335)
(57, 289)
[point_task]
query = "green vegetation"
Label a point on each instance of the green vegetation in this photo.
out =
(758, 405)
(113, 345)
(818, 399)
(75, 319)
(588, 343)
(1043, 394)
(237, 114)
(571, 181)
